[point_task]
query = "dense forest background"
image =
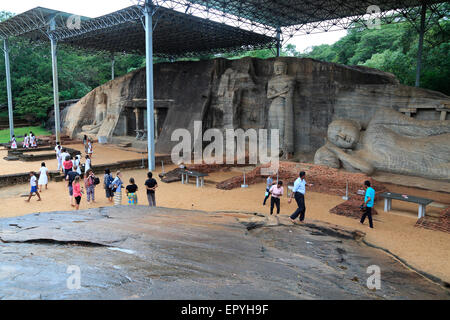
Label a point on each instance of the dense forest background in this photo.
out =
(393, 48)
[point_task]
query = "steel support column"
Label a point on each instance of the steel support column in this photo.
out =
(148, 10)
(420, 48)
(53, 45)
(278, 41)
(8, 88)
(113, 62)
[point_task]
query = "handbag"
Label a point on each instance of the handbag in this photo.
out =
(114, 188)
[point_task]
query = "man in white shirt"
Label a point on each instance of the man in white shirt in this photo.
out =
(276, 191)
(299, 193)
(64, 154)
(58, 155)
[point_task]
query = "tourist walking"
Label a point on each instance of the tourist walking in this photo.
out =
(85, 138)
(33, 184)
(269, 183)
(43, 177)
(117, 189)
(77, 163)
(33, 141)
(90, 150)
(26, 142)
(369, 198)
(90, 183)
(13, 142)
(58, 155)
(276, 191)
(64, 154)
(131, 192)
(87, 164)
(70, 177)
(299, 193)
(77, 191)
(107, 184)
(151, 185)
(67, 165)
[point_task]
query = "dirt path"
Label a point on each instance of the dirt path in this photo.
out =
(424, 249)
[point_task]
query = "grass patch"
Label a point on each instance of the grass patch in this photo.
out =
(38, 131)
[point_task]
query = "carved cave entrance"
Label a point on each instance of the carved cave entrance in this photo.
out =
(136, 119)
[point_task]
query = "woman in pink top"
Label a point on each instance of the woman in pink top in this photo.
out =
(67, 165)
(276, 191)
(77, 191)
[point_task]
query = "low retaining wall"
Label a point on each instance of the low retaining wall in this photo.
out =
(23, 155)
(18, 151)
(8, 180)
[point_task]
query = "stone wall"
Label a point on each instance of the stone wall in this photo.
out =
(233, 94)
(8, 180)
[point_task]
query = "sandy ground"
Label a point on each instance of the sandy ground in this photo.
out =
(102, 154)
(424, 249)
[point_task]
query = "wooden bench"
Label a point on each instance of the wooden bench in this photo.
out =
(200, 177)
(389, 196)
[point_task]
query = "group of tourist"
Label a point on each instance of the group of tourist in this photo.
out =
(29, 141)
(71, 168)
(78, 183)
(275, 191)
(113, 188)
(68, 163)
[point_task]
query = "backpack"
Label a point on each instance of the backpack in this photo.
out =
(107, 181)
(96, 180)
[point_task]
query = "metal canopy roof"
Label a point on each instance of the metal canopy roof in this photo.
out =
(195, 27)
(34, 23)
(300, 17)
(175, 33)
(285, 13)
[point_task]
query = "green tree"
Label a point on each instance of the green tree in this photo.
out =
(393, 48)
(80, 71)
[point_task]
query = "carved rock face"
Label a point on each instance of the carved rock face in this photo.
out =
(344, 133)
(280, 68)
(326, 157)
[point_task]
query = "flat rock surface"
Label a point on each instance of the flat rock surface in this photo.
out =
(139, 252)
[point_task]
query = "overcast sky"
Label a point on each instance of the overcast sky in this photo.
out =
(95, 8)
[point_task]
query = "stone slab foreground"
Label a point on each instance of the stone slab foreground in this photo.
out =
(161, 253)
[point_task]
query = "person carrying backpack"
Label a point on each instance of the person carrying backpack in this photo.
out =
(107, 183)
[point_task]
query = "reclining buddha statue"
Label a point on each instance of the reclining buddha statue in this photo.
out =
(392, 143)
